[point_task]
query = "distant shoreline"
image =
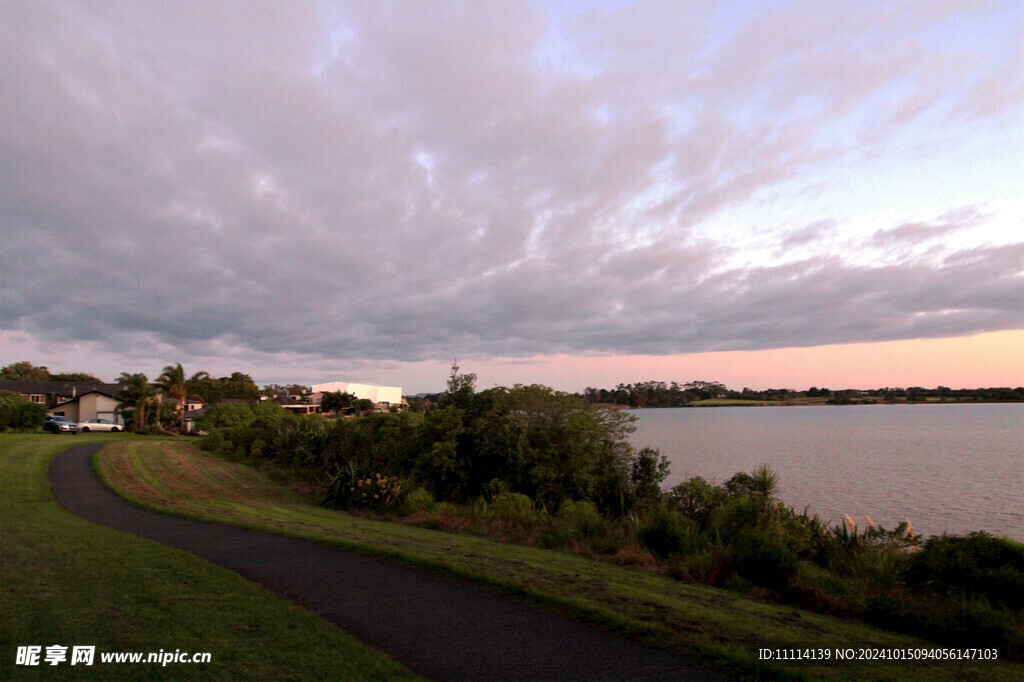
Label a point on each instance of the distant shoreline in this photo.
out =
(704, 404)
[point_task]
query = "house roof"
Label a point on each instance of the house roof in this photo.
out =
(290, 401)
(110, 394)
(65, 389)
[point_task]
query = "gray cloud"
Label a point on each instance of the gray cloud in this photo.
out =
(807, 234)
(425, 180)
(919, 232)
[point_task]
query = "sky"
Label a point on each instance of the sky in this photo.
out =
(765, 194)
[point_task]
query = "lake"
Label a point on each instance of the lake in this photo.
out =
(947, 467)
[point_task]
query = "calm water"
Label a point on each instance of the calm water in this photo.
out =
(948, 468)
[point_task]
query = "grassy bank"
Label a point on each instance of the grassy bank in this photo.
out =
(69, 582)
(720, 626)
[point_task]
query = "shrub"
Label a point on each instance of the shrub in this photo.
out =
(708, 565)
(514, 515)
(552, 536)
(975, 564)
(582, 521)
(881, 568)
(735, 517)
(377, 492)
(764, 559)
(418, 500)
(226, 415)
(668, 532)
(348, 488)
(697, 499)
(18, 414)
(214, 441)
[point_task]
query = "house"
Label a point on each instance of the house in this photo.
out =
(298, 405)
(76, 400)
(193, 403)
(295, 391)
(192, 418)
(95, 404)
(382, 397)
(50, 393)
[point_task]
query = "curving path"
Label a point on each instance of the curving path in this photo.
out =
(438, 627)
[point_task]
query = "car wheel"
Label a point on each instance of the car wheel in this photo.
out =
(115, 429)
(85, 429)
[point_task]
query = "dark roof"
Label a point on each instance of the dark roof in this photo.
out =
(63, 389)
(198, 412)
(290, 401)
(100, 390)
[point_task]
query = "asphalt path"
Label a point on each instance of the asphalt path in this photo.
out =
(438, 627)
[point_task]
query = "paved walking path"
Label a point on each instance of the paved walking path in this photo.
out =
(440, 628)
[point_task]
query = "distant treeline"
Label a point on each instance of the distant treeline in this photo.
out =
(661, 394)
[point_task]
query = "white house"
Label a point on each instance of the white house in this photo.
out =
(91, 405)
(381, 396)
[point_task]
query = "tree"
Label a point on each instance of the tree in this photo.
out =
(138, 396)
(460, 386)
(548, 445)
(336, 402)
(273, 390)
(74, 376)
(24, 371)
(647, 472)
(172, 382)
(203, 385)
(239, 386)
(226, 416)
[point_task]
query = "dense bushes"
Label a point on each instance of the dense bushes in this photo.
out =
(527, 440)
(18, 414)
(960, 590)
(976, 565)
(531, 465)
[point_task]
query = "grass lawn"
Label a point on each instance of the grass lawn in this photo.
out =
(68, 582)
(722, 627)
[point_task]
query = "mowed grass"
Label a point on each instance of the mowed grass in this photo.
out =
(68, 582)
(722, 628)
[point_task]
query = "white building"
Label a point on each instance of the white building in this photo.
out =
(382, 396)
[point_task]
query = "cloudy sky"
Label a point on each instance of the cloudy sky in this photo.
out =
(572, 193)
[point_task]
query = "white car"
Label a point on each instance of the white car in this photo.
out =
(98, 425)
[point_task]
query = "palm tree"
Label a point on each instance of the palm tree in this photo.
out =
(172, 382)
(200, 384)
(138, 394)
(765, 482)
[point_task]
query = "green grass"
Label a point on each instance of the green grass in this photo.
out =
(723, 628)
(69, 582)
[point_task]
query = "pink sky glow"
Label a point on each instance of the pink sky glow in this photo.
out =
(994, 359)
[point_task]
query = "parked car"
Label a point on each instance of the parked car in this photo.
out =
(98, 425)
(59, 424)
